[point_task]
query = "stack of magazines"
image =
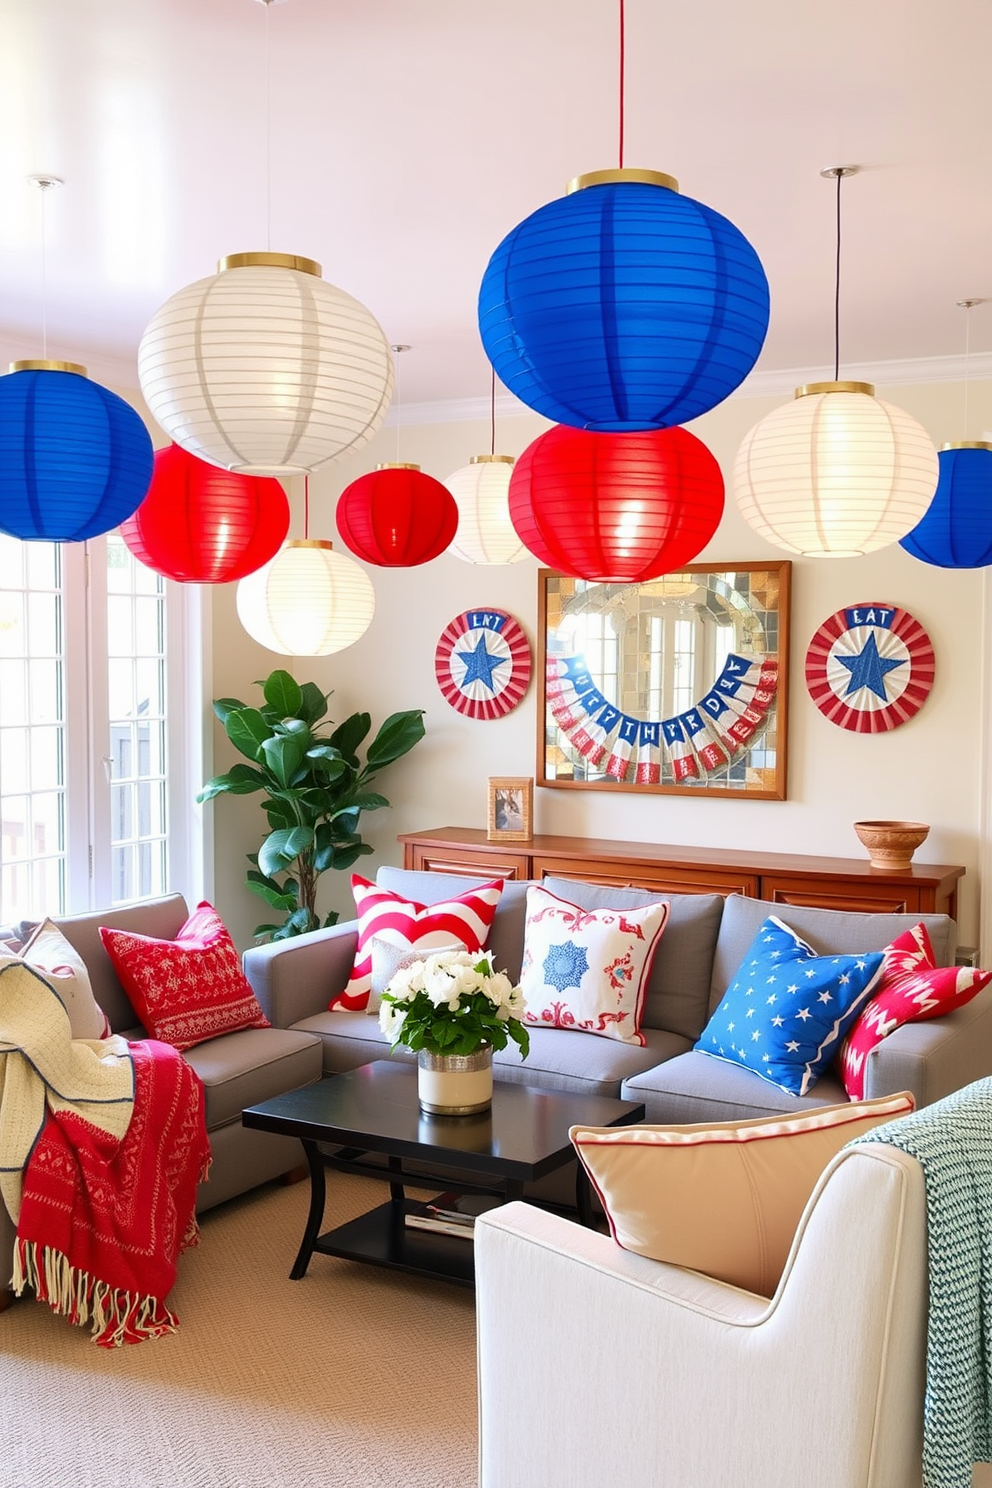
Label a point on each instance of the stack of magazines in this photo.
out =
(452, 1214)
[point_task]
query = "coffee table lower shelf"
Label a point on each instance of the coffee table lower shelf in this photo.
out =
(381, 1238)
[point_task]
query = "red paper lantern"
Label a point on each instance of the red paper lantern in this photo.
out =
(397, 517)
(616, 507)
(203, 525)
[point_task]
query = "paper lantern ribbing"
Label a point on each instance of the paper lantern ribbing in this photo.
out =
(75, 460)
(307, 601)
(623, 305)
(836, 473)
(485, 533)
(265, 369)
(616, 507)
(956, 531)
(396, 516)
(203, 525)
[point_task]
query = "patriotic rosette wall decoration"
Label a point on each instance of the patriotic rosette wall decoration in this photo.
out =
(870, 667)
(482, 663)
(668, 684)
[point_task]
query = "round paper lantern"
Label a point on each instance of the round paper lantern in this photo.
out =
(956, 531)
(308, 601)
(75, 460)
(203, 525)
(485, 533)
(836, 473)
(396, 516)
(264, 368)
(623, 305)
(616, 507)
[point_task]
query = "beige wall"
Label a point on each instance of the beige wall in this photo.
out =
(929, 769)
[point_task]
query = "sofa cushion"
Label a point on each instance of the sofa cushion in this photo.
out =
(49, 951)
(506, 938)
(163, 918)
(725, 1199)
(829, 931)
(188, 989)
(586, 970)
(679, 984)
(464, 918)
(693, 1087)
(350, 1038)
(912, 988)
(240, 1069)
(588, 1066)
(786, 1010)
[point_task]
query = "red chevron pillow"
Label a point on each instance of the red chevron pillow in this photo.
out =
(912, 988)
(462, 921)
(188, 989)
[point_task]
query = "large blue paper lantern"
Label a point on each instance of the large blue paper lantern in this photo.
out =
(623, 305)
(75, 460)
(956, 531)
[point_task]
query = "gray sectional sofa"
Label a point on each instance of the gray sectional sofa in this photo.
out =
(701, 948)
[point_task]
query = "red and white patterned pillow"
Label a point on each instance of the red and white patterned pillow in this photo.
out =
(912, 987)
(588, 969)
(464, 921)
(188, 989)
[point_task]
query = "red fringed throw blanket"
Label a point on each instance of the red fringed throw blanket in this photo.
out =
(103, 1218)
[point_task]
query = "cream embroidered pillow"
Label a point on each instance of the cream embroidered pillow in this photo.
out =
(723, 1199)
(588, 969)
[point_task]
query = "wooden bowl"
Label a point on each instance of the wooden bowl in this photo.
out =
(891, 844)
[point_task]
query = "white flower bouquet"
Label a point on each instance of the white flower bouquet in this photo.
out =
(453, 1002)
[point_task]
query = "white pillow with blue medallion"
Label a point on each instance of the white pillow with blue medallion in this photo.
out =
(787, 1009)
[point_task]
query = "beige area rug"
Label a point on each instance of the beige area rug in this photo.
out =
(354, 1377)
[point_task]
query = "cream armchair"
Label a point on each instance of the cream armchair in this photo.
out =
(600, 1367)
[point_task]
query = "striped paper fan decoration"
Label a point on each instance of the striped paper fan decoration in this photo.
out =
(870, 667)
(482, 663)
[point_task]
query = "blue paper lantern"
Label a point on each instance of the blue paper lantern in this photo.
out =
(956, 531)
(623, 305)
(75, 460)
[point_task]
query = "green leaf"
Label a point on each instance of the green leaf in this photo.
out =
(240, 780)
(343, 857)
(282, 692)
(280, 813)
(247, 731)
(330, 919)
(283, 754)
(297, 727)
(274, 896)
(369, 801)
(224, 706)
(398, 735)
(348, 735)
(283, 847)
(329, 767)
(345, 821)
(313, 703)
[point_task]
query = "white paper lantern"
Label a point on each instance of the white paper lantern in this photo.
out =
(485, 533)
(265, 369)
(307, 601)
(836, 473)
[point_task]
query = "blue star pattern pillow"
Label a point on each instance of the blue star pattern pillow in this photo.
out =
(787, 1009)
(588, 969)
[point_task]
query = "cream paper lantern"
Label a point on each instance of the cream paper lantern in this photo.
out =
(265, 369)
(481, 491)
(307, 601)
(836, 473)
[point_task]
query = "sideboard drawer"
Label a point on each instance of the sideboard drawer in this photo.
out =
(869, 896)
(467, 864)
(664, 877)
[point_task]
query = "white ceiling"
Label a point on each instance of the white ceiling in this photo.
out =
(408, 136)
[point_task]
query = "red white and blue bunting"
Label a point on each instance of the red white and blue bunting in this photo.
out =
(698, 742)
(482, 663)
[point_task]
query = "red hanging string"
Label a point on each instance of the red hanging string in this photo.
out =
(622, 61)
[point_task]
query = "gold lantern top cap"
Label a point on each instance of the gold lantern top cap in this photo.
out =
(492, 460)
(397, 465)
(43, 364)
(968, 444)
(624, 173)
(809, 388)
(310, 542)
(269, 261)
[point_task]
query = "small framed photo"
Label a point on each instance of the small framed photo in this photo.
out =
(511, 808)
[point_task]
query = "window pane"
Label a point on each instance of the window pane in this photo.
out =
(45, 684)
(14, 691)
(120, 640)
(14, 820)
(43, 625)
(121, 686)
(12, 632)
(46, 758)
(147, 627)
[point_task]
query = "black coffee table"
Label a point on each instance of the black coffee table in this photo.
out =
(374, 1109)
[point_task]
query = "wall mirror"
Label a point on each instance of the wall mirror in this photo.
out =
(675, 685)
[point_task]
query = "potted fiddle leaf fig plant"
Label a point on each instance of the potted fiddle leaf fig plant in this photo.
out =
(316, 786)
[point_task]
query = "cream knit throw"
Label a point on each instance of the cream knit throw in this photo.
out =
(42, 1068)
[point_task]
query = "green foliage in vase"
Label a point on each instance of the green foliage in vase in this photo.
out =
(316, 787)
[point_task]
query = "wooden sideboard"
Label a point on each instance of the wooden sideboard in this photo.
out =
(782, 878)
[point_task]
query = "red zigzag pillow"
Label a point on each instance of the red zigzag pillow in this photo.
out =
(912, 988)
(465, 920)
